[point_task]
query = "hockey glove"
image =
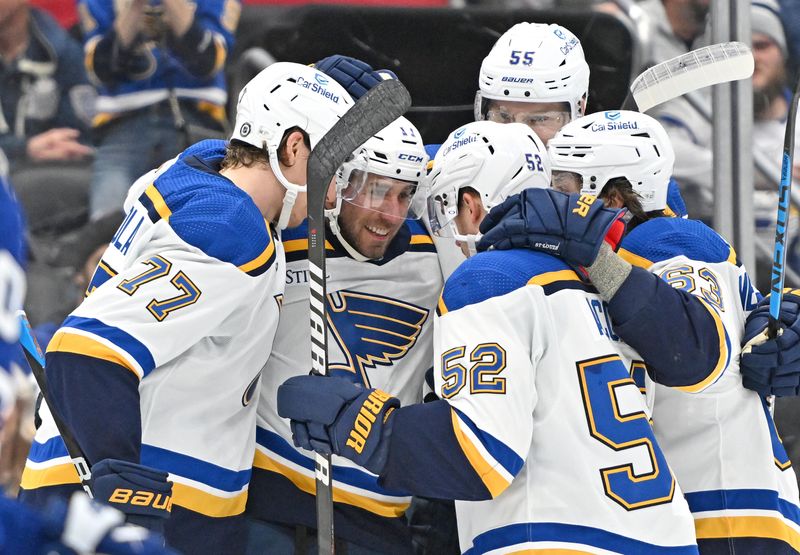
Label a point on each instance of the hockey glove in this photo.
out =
(141, 492)
(334, 415)
(355, 76)
(772, 366)
(571, 227)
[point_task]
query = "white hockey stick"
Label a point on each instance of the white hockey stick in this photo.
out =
(710, 65)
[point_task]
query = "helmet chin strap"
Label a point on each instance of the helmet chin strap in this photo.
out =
(471, 240)
(292, 190)
(333, 221)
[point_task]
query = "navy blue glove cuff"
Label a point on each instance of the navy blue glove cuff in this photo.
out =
(136, 490)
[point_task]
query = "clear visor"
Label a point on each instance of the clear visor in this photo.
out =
(551, 121)
(393, 197)
(441, 212)
(566, 181)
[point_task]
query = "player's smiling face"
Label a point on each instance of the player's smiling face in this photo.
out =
(372, 219)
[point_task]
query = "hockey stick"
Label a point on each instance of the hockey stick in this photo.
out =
(382, 104)
(35, 356)
(710, 65)
(779, 253)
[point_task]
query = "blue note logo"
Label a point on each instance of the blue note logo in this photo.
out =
(371, 330)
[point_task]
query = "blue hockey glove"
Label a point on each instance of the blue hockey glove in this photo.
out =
(772, 367)
(141, 492)
(355, 76)
(571, 227)
(334, 415)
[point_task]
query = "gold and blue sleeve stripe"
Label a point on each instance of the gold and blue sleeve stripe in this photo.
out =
(155, 204)
(263, 261)
(93, 338)
(724, 353)
(494, 462)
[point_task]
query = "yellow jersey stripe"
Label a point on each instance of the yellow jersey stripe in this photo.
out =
(442, 308)
(635, 259)
(551, 277)
(295, 245)
(261, 259)
(206, 503)
(60, 474)
(308, 485)
(747, 526)
(492, 479)
(158, 202)
(421, 240)
(723, 354)
(66, 342)
(732, 256)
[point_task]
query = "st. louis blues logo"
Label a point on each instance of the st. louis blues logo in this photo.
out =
(371, 330)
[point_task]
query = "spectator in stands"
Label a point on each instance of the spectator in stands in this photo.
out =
(158, 68)
(790, 16)
(676, 27)
(46, 100)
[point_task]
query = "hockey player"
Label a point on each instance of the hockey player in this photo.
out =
(156, 372)
(540, 432)
(78, 527)
(677, 294)
(383, 284)
(535, 74)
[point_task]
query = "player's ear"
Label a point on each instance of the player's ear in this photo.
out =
(476, 212)
(294, 145)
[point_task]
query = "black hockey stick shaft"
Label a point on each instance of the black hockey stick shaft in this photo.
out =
(781, 225)
(34, 356)
(382, 104)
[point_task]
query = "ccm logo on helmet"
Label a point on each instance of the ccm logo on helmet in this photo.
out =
(317, 88)
(410, 157)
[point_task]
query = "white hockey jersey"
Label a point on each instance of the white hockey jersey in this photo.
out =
(546, 413)
(187, 298)
(380, 321)
(718, 436)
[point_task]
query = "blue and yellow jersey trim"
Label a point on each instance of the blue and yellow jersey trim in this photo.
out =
(496, 273)
(722, 514)
(351, 486)
(93, 338)
(495, 463)
(724, 352)
(198, 485)
(555, 538)
(661, 239)
(206, 210)
(48, 464)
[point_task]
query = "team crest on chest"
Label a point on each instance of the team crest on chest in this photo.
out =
(371, 330)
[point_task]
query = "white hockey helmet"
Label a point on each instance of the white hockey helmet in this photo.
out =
(396, 156)
(620, 143)
(496, 160)
(280, 97)
(534, 62)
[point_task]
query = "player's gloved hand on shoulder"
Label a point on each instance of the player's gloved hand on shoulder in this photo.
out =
(772, 366)
(141, 492)
(355, 76)
(571, 227)
(334, 415)
(85, 526)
